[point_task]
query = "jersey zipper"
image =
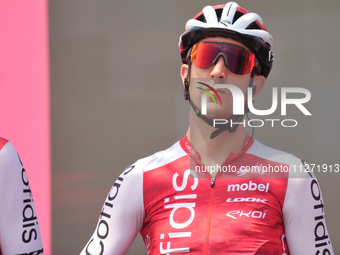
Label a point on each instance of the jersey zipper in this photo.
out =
(207, 235)
(212, 182)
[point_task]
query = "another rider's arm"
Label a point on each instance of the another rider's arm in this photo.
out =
(304, 215)
(121, 217)
(19, 229)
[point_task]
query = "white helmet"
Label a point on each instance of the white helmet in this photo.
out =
(231, 21)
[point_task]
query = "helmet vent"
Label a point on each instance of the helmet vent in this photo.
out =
(219, 14)
(202, 18)
(237, 15)
(253, 25)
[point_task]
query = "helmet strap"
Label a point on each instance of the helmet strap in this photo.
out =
(186, 83)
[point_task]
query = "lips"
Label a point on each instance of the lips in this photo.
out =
(220, 91)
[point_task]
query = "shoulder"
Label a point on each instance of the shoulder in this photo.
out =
(262, 151)
(8, 154)
(3, 142)
(160, 158)
(11, 168)
(295, 166)
(6, 148)
(134, 175)
(300, 179)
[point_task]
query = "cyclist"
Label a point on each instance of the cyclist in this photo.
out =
(198, 196)
(19, 229)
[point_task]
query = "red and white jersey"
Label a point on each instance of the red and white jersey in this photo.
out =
(19, 229)
(262, 201)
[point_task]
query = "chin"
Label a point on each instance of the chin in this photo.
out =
(218, 113)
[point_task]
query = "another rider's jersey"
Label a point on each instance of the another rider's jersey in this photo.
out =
(19, 229)
(262, 201)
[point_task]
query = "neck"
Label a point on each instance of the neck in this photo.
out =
(214, 151)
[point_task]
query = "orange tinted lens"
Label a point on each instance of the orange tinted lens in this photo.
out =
(238, 59)
(203, 55)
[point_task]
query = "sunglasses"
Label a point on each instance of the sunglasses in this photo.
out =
(238, 59)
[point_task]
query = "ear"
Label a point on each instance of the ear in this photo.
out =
(184, 72)
(259, 82)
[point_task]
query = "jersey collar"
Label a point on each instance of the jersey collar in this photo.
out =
(193, 153)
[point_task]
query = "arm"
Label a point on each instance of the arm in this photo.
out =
(304, 216)
(19, 229)
(121, 217)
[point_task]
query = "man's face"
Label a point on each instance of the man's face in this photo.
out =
(217, 73)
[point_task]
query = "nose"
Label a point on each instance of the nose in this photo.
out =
(220, 70)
